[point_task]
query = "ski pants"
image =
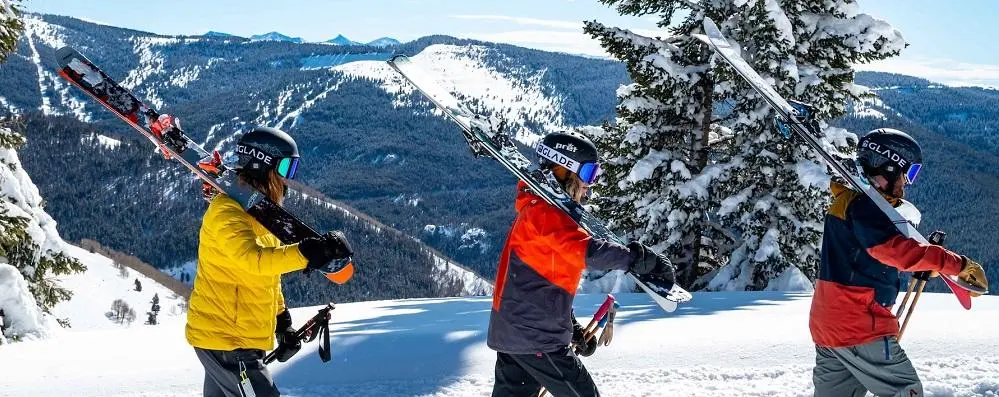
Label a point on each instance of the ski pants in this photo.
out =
(879, 366)
(222, 372)
(561, 372)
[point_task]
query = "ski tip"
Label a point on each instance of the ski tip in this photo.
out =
(64, 54)
(710, 28)
(343, 275)
(399, 58)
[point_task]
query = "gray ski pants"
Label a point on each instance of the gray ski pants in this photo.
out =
(880, 367)
(222, 372)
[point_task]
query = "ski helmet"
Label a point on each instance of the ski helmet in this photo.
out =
(571, 151)
(264, 149)
(890, 153)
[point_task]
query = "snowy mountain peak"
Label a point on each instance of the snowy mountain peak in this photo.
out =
(384, 42)
(341, 40)
(275, 36)
(515, 94)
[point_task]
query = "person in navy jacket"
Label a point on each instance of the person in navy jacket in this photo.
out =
(851, 321)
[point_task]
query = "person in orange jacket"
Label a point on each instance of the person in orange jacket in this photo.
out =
(237, 310)
(852, 325)
(531, 325)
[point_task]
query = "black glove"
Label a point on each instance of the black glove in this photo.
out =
(643, 259)
(580, 346)
(319, 251)
(288, 342)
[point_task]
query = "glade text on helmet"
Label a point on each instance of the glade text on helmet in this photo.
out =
(257, 154)
(888, 153)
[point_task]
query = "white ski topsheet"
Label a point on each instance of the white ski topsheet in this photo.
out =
(714, 37)
(719, 344)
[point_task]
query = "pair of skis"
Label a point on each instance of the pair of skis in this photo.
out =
(797, 117)
(174, 144)
(486, 138)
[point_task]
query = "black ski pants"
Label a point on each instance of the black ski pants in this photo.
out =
(561, 372)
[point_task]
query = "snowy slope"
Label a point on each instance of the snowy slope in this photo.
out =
(721, 344)
(95, 289)
(516, 95)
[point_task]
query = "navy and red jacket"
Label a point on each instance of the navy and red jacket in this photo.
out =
(540, 267)
(862, 253)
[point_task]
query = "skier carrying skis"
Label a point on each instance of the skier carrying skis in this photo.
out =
(237, 308)
(531, 324)
(852, 325)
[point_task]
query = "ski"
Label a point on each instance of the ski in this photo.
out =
(174, 144)
(796, 117)
(486, 138)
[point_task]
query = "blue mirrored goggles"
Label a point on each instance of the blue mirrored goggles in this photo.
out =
(288, 167)
(912, 173)
(589, 172)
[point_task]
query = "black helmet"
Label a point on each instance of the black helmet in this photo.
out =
(572, 151)
(889, 153)
(264, 149)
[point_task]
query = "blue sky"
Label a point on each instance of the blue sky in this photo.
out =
(950, 41)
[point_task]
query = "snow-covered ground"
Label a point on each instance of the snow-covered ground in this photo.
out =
(102, 283)
(720, 344)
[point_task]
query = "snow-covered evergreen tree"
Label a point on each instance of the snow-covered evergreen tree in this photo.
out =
(657, 174)
(679, 158)
(29, 242)
(11, 27)
(28, 237)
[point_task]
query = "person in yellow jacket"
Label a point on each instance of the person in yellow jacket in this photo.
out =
(237, 308)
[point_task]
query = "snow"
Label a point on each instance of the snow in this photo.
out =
(791, 280)
(644, 168)
(720, 344)
(516, 96)
(473, 284)
(101, 284)
(22, 318)
(8, 10)
(98, 139)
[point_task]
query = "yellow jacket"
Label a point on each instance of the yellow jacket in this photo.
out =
(237, 287)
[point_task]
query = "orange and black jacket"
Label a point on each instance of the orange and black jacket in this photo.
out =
(862, 253)
(539, 270)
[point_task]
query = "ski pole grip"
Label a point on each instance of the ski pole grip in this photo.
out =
(937, 237)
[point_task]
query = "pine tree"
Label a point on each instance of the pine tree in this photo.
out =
(658, 169)
(11, 27)
(694, 146)
(20, 211)
(28, 240)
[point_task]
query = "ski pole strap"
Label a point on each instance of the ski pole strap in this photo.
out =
(324, 350)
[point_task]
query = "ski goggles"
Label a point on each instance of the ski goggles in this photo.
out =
(912, 173)
(587, 172)
(288, 167)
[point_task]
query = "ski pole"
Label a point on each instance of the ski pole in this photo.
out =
(935, 238)
(919, 291)
(908, 293)
(591, 328)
